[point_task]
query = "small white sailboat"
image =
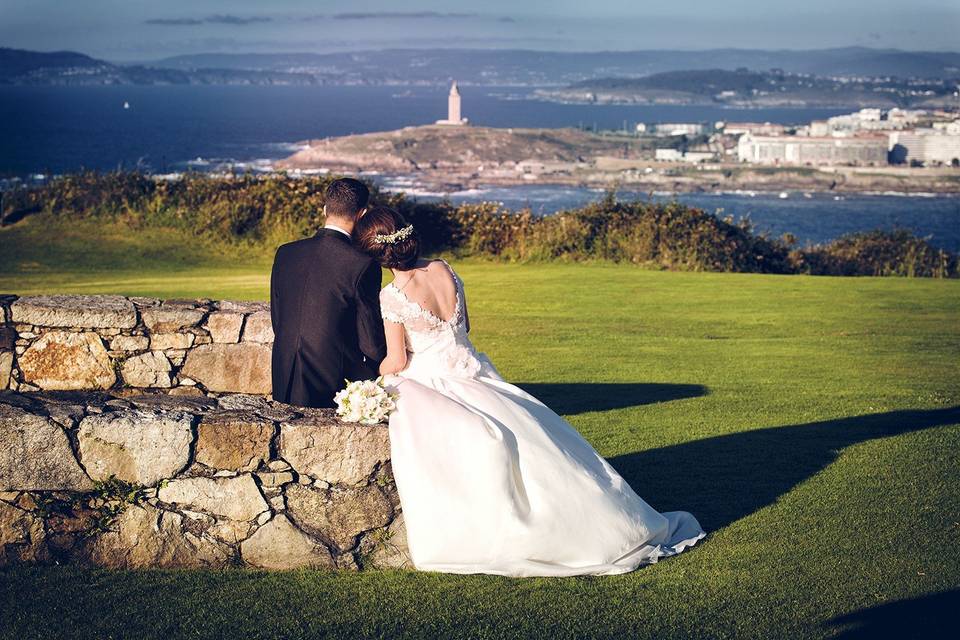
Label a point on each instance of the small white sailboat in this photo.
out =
(126, 105)
(784, 195)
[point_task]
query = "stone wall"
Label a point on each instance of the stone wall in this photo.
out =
(189, 347)
(136, 433)
(153, 480)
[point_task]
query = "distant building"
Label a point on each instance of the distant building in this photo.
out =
(670, 155)
(939, 145)
(756, 128)
(453, 108)
(799, 150)
(950, 128)
(866, 120)
(675, 155)
(677, 129)
(699, 156)
(818, 129)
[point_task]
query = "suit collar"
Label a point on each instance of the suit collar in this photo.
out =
(333, 233)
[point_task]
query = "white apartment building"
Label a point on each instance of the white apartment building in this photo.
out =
(801, 150)
(929, 146)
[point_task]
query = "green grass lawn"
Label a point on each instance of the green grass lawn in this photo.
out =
(811, 424)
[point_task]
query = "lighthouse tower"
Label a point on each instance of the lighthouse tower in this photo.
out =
(453, 108)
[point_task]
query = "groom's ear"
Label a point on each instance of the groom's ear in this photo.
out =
(362, 213)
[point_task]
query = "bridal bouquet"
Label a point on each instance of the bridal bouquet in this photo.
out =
(365, 401)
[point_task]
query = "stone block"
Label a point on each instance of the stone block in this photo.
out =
(170, 319)
(225, 326)
(35, 454)
(89, 312)
(258, 327)
(151, 369)
(136, 446)
(144, 537)
(387, 548)
(59, 360)
(233, 440)
(6, 368)
(237, 368)
(340, 514)
(243, 306)
(129, 343)
(280, 545)
(321, 446)
(236, 498)
(162, 341)
(275, 478)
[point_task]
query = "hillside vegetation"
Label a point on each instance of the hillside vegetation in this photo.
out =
(259, 213)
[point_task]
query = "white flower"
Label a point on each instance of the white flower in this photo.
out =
(365, 401)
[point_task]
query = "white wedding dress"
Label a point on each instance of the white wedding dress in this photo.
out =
(492, 481)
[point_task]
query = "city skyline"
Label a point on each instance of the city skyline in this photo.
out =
(134, 31)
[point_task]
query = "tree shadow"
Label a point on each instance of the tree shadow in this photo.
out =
(932, 616)
(725, 478)
(582, 397)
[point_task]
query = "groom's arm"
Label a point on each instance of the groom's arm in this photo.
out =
(369, 322)
(274, 292)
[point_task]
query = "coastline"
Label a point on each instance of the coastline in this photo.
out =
(447, 159)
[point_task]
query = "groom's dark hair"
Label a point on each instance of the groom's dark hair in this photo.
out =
(345, 198)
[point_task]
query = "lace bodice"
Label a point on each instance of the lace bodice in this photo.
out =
(438, 347)
(396, 307)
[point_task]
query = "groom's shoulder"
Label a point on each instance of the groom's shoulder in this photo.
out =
(319, 249)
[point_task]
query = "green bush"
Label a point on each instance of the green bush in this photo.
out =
(265, 211)
(877, 253)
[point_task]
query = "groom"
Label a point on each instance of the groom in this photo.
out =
(324, 303)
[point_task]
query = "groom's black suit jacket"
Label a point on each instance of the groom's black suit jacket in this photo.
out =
(325, 307)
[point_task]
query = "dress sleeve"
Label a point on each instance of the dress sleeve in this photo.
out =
(391, 307)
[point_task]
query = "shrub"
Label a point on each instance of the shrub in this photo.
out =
(265, 211)
(877, 253)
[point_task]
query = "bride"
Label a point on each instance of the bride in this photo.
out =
(490, 479)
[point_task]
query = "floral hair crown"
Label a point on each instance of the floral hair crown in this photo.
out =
(395, 237)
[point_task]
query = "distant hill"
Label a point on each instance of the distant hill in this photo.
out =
(18, 66)
(478, 67)
(744, 88)
(541, 68)
(21, 63)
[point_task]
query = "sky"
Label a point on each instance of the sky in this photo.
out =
(143, 30)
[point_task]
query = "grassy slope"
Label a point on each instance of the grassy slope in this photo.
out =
(811, 424)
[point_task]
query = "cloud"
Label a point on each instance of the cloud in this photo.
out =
(173, 22)
(228, 19)
(373, 15)
(214, 19)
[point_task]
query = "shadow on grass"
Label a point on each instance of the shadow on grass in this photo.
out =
(725, 478)
(933, 616)
(573, 398)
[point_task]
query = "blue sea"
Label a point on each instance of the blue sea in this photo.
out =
(50, 130)
(813, 218)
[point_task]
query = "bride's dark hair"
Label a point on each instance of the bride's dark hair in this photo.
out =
(379, 220)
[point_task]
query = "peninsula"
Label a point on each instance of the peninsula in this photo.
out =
(451, 158)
